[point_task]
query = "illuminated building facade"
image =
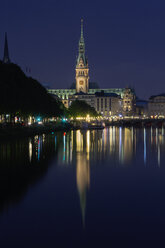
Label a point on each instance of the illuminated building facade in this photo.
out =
(156, 106)
(108, 104)
(65, 94)
(128, 102)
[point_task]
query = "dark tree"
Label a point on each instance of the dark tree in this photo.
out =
(21, 95)
(81, 109)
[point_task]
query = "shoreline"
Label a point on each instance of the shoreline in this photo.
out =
(12, 132)
(155, 123)
(28, 131)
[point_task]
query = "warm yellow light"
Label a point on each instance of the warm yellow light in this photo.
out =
(88, 118)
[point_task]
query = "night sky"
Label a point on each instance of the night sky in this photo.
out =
(125, 41)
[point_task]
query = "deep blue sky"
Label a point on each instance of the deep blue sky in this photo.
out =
(125, 41)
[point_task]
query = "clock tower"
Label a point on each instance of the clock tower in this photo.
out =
(82, 70)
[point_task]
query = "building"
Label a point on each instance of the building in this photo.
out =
(156, 106)
(64, 94)
(81, 96)
(82, 70)
(108, 104)
(128, 102)
(141, 108)
(106, 101)
(82, 83)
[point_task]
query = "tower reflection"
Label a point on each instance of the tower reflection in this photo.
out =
(82, 167)
(88, 147)
(83, 181)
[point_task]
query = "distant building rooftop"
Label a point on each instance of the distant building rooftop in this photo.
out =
(80, 94)
(163, 94)
(103, 94)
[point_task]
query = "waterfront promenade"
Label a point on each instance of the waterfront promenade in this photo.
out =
(9, 130)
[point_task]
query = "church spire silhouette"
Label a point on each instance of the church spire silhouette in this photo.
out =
(6, 58)
(81, 54)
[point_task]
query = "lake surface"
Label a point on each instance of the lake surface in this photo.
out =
(103, 188)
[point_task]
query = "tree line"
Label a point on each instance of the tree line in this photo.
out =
(24, 96)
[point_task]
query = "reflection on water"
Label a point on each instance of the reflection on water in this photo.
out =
(145, 148)
(83, 168)
(24, 162)
(123, 146)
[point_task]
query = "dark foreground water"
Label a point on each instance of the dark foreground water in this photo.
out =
(84, 189)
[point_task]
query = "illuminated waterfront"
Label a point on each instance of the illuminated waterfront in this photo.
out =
(81, 188)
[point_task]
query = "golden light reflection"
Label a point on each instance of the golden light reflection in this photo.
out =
(88, 143)
(111, 140)
(83, 181)
(157, 142)
(120, 144)
(79, 141)
(30, 150)
(127, 145)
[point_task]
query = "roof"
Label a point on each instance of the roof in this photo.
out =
(80, 94)
(103, 94)
(163, 94)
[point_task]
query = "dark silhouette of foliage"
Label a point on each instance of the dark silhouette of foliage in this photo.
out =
(24, 96)
(81, 109)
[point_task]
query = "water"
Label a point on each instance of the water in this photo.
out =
(84, 189)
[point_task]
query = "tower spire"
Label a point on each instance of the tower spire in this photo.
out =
(82, 70)
(6, 58)
(81, 41)
(82, 35)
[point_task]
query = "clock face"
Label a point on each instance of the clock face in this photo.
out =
(81, 82)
